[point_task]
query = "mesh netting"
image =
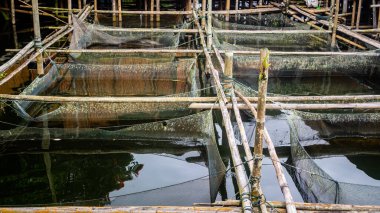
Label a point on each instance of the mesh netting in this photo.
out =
(313, 182)
(94, 36)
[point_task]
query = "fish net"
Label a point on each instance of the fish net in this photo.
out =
(175, 136)
(313, 182)
(95, 36)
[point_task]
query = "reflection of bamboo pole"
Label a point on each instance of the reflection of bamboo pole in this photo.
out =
(335, 25)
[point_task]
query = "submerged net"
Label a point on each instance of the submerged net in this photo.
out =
(313, 182)
(196, 130)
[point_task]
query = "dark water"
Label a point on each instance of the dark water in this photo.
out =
(109, 170)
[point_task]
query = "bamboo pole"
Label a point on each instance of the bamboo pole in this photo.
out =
(119, 8)
(114, 11)
(273, 31)
(353, 13)
(276, 162)
(18, 56)
(374, 15)
(48, 42)
(80, 4)
(96, 8)
(55, 99)
(203, 14)
(374, 105)
(220, 60)
(151, 10)
(13, 13)
(228, 7)
(158, 5)
(359, 14)
(260, 120)
(37, 37)
(69, 7)
(243, 134)
(306, 206)
(335, 26)
(241, 176)
(209, 24)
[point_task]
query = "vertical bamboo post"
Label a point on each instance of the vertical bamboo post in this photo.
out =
(353, 13)
(13, 13)
(209, 24)
(146, 9)
(345, 6)
(113, 11)
(158, 18)
(260, 121)
(374, 15)
(228, 7)
(203, 14)
(151, 10)
(335, 25)
(79, 4)
(236, 8)
(228, 71)
(37, 36)
(120, 14)
(250, 4)
(359, 14)
(69, 7)
(96, 8)
(378, 20)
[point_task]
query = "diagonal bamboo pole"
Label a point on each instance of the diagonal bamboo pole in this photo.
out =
(276, 162)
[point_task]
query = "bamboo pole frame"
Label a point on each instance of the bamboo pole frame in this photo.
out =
(335, 25)
(289, 203)
(241, 176)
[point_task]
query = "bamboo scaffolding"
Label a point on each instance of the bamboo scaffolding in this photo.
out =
(290, 207)
(374, 106)
(340, 28)
(259, 132)
(51, 40)
(304, 206)
(21, 53)
(219, 57)
(241, 176)
(57, 99)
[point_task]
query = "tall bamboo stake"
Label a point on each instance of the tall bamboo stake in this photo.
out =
(203, 14)
(79, 4)
(120, 14)
(359, 14)
(335, 26)
(37, 36)
(241, 176)
(260, 121)
(353, 13)
(158, 18)
(13, 13)
(209, 24)
(96, 8)
(151, 10)
(374, 15)
(228, 7)
(276, 162)
(114, 11)
(69, 7)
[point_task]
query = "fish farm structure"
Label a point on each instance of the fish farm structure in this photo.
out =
(190, 106)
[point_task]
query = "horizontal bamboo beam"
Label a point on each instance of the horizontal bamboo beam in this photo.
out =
(247, 11)
(184, 99)
(273, 31)
(243, 52)
(143, 12)
(173, 209)
(305, 206)
(375, 105)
